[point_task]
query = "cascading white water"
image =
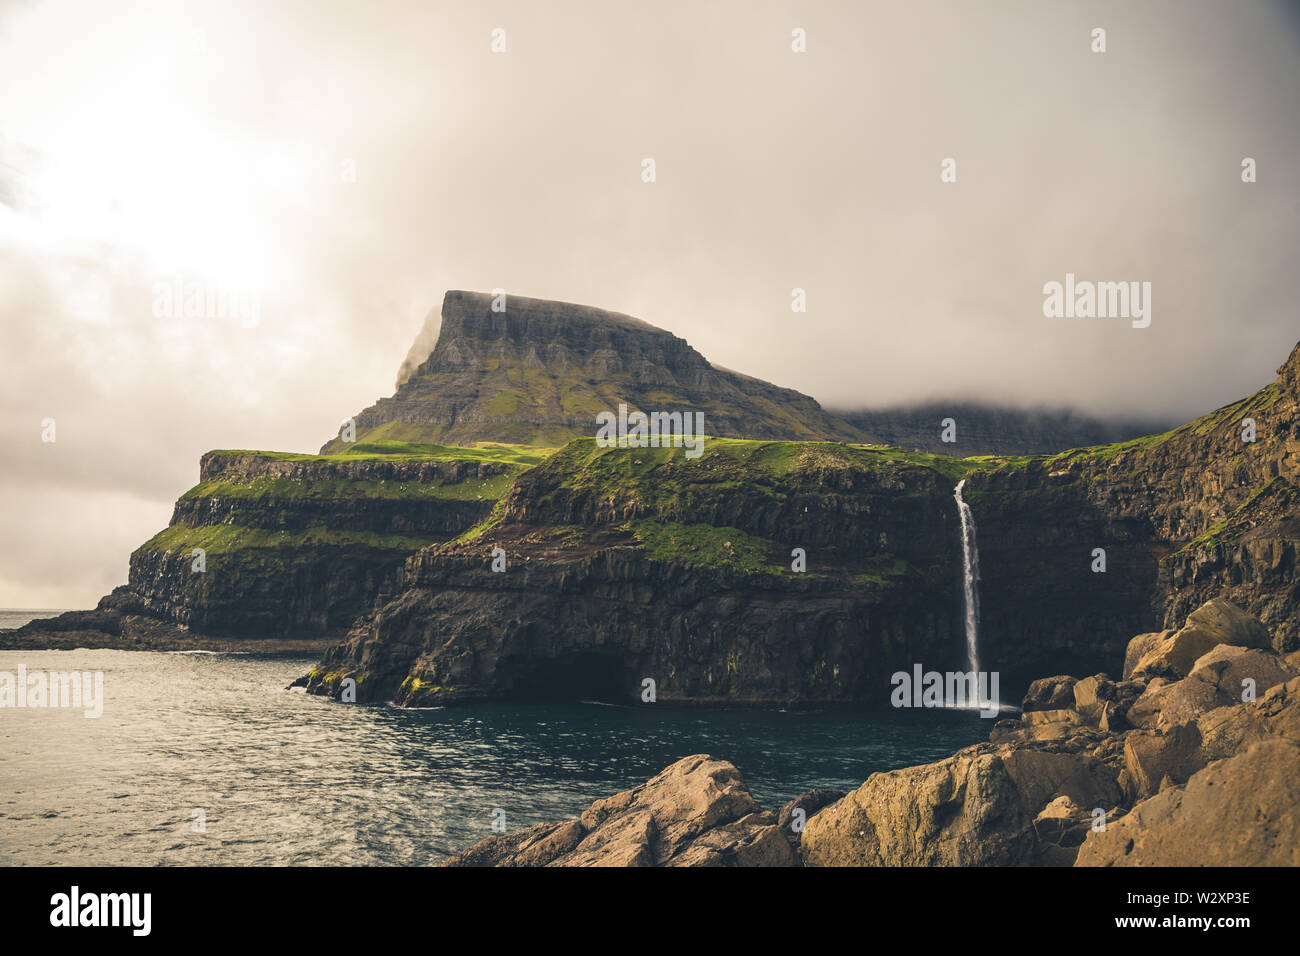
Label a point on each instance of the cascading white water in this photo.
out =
(970, 579)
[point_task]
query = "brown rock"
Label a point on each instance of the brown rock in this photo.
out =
(975, 808)
(1229, 730)
(1216, 622)
(1049, 693)
(1216, 680)
(1092, 694)
(1138, 648)
(1236, 812)
(1229, 624)
(1151, 758)
(696, 812)
(1228, 668)
(1049, 724)
(810, 803)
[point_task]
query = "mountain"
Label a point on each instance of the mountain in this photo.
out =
(632, 563)
(539, 372)
(982, 429)
(626, 564)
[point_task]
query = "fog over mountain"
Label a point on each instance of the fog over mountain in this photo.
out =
(348, 163)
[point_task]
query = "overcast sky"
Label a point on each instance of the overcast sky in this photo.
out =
(214, 141)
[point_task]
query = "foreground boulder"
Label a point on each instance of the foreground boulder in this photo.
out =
(697, 812)
(980, 807)
(1236, 812)
(1230, 730)
(1172, 656)
(1223, 676)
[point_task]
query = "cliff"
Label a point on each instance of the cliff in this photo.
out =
(539, 373)
(1190, 514)
(276, 545)
(626, 564)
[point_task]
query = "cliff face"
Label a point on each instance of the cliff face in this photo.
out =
(539, 373)
(296, 545)
(1191, 514)
(628, 564)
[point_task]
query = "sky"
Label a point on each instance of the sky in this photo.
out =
(334, 168)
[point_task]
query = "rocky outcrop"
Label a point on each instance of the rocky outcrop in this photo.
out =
(611, 577)
(281, 546)
(697, 812)
(538, 372)
(1047, 790)
(1058, 786)
(1240, 811)
(626, 565)
(983, 806)
(1195, 513)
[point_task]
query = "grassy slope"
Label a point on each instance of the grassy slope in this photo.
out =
(229, 538)
(662, 482)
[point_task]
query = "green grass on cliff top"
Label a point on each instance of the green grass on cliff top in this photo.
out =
(749, 459)
(1226, 419)
(381, 450)
(266, 489)
(226, 539)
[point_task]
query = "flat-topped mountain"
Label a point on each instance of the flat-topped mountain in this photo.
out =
(540, 371)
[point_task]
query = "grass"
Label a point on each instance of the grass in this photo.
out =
(385, 450)
(267, 489)
(227, 539)
(704, 545)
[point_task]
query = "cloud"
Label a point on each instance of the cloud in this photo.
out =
(208, 142)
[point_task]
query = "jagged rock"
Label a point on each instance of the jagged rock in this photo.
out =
(1216, 679)
(1217, 622)
(1139, 647)
(1049, 693)
(1063, 823)
(1050, 724)
(696, 812)
(1152, 758)
(1228, 669)
(975, 808)
(810, 803)
(536, 846)
(1092, 694)
(1236, 812)
(1230, 730)
(754, 840)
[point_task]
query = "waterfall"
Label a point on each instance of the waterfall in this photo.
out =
(970, 558)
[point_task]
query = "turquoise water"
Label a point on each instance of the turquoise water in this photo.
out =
(280, 777)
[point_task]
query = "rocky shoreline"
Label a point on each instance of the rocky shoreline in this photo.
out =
(1188, 759)
(107, 628)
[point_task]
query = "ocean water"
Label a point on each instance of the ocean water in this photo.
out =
(203, 758)
(10, 618)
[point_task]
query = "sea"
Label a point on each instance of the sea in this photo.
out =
(201, 758)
